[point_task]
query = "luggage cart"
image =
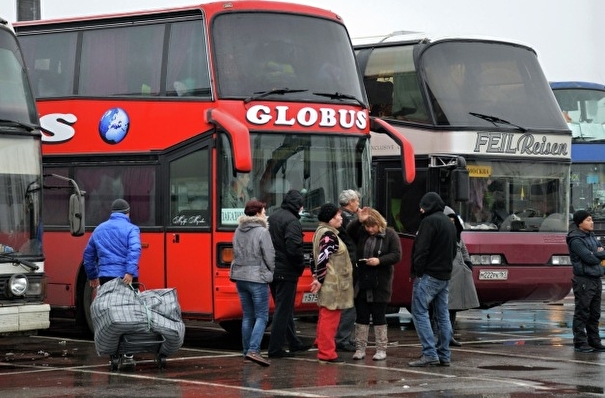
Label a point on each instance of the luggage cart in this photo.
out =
(136, 344)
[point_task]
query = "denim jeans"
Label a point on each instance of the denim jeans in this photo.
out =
(254, 297)
(427, 289)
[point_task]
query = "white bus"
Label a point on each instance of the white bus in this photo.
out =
(22, 277)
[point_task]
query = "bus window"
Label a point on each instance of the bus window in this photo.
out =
(187, 70)
(121, 61)
(103, 184)
(51, 63)
(189, 190)
(392, 85)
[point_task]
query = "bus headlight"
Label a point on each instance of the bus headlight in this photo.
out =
(17, 285)
(486, 259)
(560, 260)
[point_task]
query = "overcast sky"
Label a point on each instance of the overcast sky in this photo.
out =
(564, 33)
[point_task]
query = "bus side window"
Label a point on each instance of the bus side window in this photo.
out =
(187, 69)
(189, 190)
(380, 95)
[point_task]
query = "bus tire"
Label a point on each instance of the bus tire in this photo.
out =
(83, 301)
(233, 327)
(86, 302)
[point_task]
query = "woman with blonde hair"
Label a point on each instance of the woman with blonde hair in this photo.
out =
(378, 250)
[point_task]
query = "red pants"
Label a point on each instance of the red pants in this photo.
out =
(327, 325)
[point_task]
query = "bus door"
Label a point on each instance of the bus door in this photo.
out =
(400, 205)
(188, 237)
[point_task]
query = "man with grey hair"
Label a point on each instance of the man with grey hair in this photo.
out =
(349, 205)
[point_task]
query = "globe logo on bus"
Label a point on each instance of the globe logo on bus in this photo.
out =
(113, 126)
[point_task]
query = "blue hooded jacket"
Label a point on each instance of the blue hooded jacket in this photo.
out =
(114, 249)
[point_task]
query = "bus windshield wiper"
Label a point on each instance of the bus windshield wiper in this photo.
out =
(15, 123)
(338, 95)
(18, 261)
(263, 94)
(495, 120)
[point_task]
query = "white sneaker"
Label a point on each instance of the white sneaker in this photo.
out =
(359, 354)
(380, 355)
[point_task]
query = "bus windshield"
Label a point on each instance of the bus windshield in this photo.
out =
(319, 166)
(584, 112)
(283, 57)
(16, 100)
(583, 107)
(495, 80)
(517, 196)
(20, 193)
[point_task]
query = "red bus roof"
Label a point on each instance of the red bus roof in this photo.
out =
(209, 9)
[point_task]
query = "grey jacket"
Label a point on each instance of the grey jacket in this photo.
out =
(253, 253)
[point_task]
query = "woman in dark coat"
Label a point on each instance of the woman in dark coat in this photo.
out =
(378, 250)
(462, 292)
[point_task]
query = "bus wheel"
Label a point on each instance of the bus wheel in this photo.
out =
(234, 328)
(87, 298)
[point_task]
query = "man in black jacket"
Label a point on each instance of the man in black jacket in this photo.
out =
(586, 253)
(286, 234)
(433, 252)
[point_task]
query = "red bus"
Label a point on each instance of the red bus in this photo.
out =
(481, 111)
(166, 108)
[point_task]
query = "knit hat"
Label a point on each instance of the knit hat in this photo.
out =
(327, 212)
(580, 216)
(120, 206)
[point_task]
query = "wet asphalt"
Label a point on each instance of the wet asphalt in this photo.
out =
(515, 350)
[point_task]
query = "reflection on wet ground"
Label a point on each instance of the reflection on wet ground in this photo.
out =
(516, 350)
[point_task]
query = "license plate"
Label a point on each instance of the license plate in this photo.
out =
(309, 298)
(493, 275)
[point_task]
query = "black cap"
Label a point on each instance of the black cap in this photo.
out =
(120, 206)
(327, 212)
(580, 216)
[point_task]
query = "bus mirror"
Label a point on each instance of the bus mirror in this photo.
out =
(76, 215)
(461, 183)
(408, 165)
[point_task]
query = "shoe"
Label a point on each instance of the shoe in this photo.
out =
(598, 347)
(380, 355)
(443, 362)
(281, 354)
(583, 348)
(258, 358)
(424, 361)
(304, 347)
(359, 354)
(346, 347)
(455, 343)
(336, 361)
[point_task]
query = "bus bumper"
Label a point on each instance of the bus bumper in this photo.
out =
(24, 318)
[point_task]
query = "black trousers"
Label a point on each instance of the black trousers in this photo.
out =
(587, 311)
(282, 325)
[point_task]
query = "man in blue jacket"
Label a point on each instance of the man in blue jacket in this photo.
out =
(433, 253)
(586, 253)
(114, 248)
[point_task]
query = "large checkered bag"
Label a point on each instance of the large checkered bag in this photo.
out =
(119, 309)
